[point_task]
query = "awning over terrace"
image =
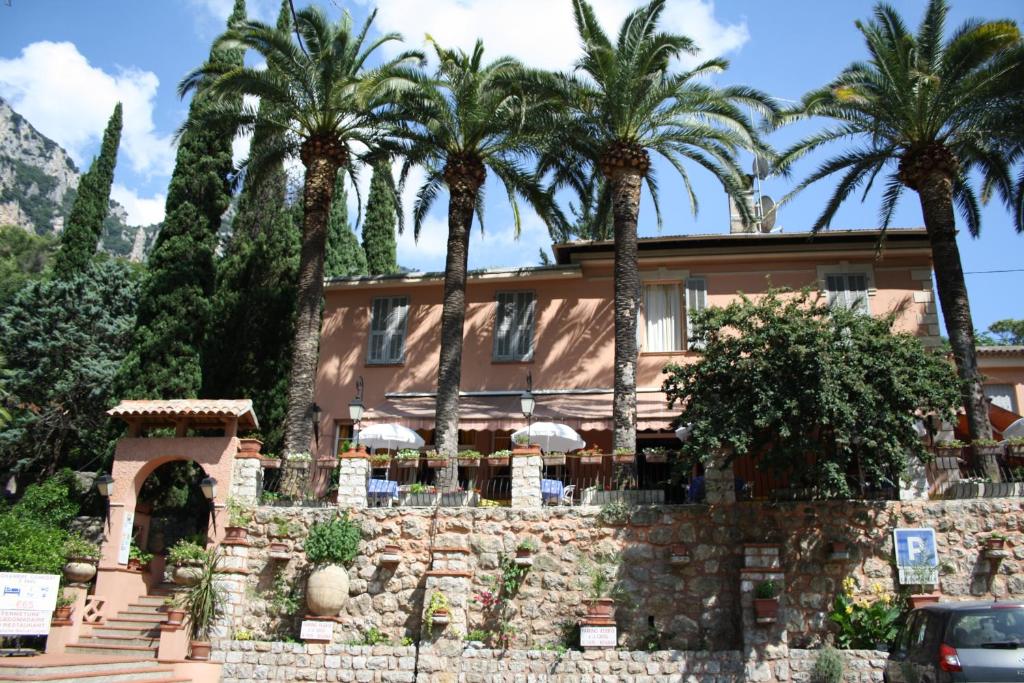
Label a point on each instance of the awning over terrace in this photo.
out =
(581, 411)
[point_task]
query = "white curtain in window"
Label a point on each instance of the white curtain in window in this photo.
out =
(661, 313)
(696, 300)
(849, 290)
(1001, 395)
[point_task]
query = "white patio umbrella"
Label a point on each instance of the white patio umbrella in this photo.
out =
(1016, 429)
(552, 437)
(683, 433)
(390, 436)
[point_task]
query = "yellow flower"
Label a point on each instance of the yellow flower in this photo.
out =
(849, 585)
(849, 609)
(876, 588)
(887, 599)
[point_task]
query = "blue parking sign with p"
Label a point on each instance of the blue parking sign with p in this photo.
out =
(915, 548)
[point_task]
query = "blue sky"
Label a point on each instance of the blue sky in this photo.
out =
(63, 64)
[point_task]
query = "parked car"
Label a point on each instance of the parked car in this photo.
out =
(960, 641)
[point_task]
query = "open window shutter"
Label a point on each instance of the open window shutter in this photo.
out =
(502, 325)
(396, 328)
(524, 326)
(696, 300)
(378, 329)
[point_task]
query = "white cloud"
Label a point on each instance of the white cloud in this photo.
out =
(61, 94)
(212, 15)
(141, 210)
(541, 32)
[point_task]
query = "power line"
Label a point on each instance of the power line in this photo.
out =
(985, 272)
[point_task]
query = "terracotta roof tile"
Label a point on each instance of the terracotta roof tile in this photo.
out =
(187, 407)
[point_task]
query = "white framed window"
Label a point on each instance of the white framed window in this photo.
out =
(513, 326)
(696, 300)
(849, 290)
(388, 318)
(662, 312)
(1001, 395)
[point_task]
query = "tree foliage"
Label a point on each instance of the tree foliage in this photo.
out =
(345, 256)
(92, 203)
(174, 307)
(1006, 332)
(379, 243)
(63, 341)
(808, 390)
(33, 529)
(24, 257)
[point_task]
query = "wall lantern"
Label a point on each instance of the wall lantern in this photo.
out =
(356, 407)
(526, 401)
(105, 485)
(209, 486)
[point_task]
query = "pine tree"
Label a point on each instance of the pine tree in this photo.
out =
(379, 227)
(174, 308)
(85, 223)
(344, 256)
(248, 350)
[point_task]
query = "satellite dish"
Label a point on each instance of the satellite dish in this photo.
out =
(767, 213)
(761, 167)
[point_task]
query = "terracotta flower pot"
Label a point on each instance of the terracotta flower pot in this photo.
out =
(136, 565)
(249, 446)
(656, 457)
(235, 533)
(440, 616)
(278, 548)
(187, 574)
(591, 459)
(175, 615)
(437, 464)
(380, 463)
(995, 543)
(327, 463)
(80, 569)
(922, 599)
(469, 462)
(200, 650)
(766, 609)
(408, 463)
(327, 590)
(270, 463)
(497, 462)
(62, 613)
(554, 459)
(624, 458)
(600, 608)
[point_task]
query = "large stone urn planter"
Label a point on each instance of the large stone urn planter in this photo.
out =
(187, 574)
(327, 590)
(80, 569)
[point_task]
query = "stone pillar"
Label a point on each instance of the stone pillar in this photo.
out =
(354, 472)
(765, 645)
(234, 568)
(246, 479)
(719, 479)
(914, 482)
(527, 465)
(450, 576)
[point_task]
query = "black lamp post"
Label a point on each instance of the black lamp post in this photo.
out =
(527, 402)
(105, 487)
(355, 409)
(316, 424)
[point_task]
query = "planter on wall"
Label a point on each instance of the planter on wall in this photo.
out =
(922, 599)
(600, 608)
(235, 533)
(678, 554)
(624, 458)
(327, 590)
(408, 463)
(766, 610)
(187, 574)
(554, 460)
(498, 462)
(327, 463)
(438, 463)
(392, 554)
(656, 457)
(279, 550)
(441, 617)
(80, 569)
(200, 650)
(591, 459)
(839, 550)
(270, 463)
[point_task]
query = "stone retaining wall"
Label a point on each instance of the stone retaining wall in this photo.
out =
(275, 661)
(862, 666)
(693, 605)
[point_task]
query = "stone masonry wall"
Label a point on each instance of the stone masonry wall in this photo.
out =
(694, 605)
(862, 666)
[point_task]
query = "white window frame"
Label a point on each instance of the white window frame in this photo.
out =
(388, 334)
(680, 334)
(701, 295)
(527, 328)
(845, 269)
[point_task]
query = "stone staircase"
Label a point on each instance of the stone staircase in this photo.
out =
(86, 669)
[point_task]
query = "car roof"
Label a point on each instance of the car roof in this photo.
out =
(970, 605)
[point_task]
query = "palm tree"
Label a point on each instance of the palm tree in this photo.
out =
(471, 118)
(319, 99)
(927, 111)
(623, 102)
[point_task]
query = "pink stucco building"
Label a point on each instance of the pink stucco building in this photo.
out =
(555, 323)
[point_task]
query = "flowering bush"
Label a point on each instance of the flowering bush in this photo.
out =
(868, 620)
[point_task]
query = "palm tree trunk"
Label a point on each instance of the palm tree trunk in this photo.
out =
(319, 187)
(461, 204)
(936, 196)
(625, 188)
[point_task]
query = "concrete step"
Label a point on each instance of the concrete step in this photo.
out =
(121, 651)
(145, 610)
(154, 600)
(107, 639)
(144, 632)
(136, 620)
(87, 669)
(66, 664)
(150, 675)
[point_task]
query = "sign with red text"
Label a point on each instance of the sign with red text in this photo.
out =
(598, 636)
(27, 602)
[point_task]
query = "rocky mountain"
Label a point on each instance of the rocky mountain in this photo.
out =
(38, 183)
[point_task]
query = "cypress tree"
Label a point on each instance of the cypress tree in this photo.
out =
(92, 203)
(174, 308)
(248, 350)
(344, 256)
(379, 226)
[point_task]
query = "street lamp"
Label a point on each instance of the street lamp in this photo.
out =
(355, 409)
(527, 402)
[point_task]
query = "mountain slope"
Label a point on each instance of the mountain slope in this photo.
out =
(38, 182)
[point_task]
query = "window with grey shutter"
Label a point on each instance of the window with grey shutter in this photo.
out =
(387, 329)
(513, 326)
(696, 300)
(849, 290)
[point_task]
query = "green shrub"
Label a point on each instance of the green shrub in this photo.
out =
(185, 551)
(76, 546)
(50, 502)
(828, 667)
(867, 621)
(29, 546)
(766, 590)
(137, 553)
(334, 542)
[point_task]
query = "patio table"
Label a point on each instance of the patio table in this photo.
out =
(551, 489)
(383, 488)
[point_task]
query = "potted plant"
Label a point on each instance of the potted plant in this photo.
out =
(525, 550)
(270, 462)
(949, 448)
(600, 587)
(436, 460)
(522, 445)
(555, 458)
(381, 460)
(81, 558)
(838, 550)
(766, 602)
(331, 547)
(499, 458)
(1015, 447)
(408, 457)
(995, 541)
(437, 613)
(138, 559)
(391, 554)
(282, 527)
(592, 457)
(175, 613)
(327, 462)
(64, 606)
(469, 458)
(656, 455)
(204, 602)
(187, 558)
(239, 517)
(987, 447)
(624, 456)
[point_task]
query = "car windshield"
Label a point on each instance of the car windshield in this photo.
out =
(987, 628)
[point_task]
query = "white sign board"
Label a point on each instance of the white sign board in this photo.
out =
(126, 537)
(313, 629)
(598, 636)
(917, 556)
(27, 602)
